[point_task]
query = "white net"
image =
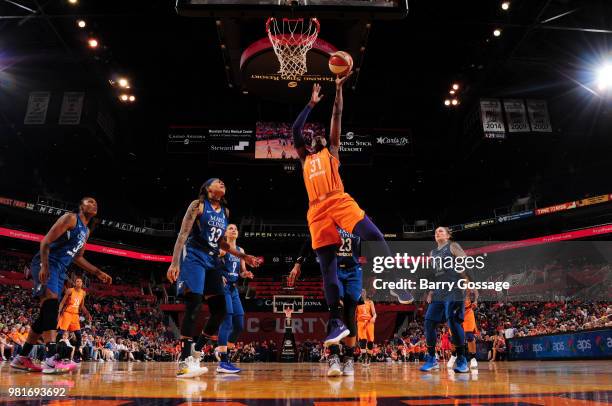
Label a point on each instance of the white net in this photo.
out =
(291, 40)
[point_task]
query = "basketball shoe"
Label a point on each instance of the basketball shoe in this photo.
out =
(462, 366)
(347, 368)
(451, 362)
(337, 333)
(334, 366)
(190, 368)
(431, 363)
(227, 368)
(25, 364)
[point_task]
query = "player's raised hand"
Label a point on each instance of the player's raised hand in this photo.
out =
(105, 278)
(316, 95)
(340, 80)
(252, 261)
(173, 273)
(293, 275)
(247, 275)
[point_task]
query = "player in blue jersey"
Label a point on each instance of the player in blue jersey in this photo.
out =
(348, 279)
(444, 305)
(197, 269)
(62, 245)
(232, 326)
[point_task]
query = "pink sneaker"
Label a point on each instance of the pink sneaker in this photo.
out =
(54, 366)
(25, 364)
(70, 364)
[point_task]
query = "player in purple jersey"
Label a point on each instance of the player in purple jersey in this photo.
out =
(64, 244)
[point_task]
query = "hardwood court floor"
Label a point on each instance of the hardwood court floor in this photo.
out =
(503, 383)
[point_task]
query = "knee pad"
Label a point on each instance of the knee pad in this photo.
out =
(370, 345)
(350, 306)
(193, 304)
(47, 318)
(217, 308)
(362, 343)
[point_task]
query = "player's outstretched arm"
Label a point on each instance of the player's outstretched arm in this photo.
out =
(336, 120)
(244, 272)
(249, 259)
(88, 267)
(298, 125)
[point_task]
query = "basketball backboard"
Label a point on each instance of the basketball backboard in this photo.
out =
(249, 60)
(280, 302)
(353, 9)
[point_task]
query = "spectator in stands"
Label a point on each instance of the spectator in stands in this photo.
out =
(509, 332)
(6, 348)
(499, 347)
(65, 348)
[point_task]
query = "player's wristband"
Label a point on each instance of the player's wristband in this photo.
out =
(300, 260)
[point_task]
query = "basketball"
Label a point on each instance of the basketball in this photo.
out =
(340, 63)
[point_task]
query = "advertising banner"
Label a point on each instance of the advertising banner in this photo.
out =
(586, 344)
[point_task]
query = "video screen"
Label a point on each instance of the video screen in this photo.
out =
(274, 140)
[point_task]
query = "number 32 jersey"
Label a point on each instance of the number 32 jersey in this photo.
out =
(209, 229)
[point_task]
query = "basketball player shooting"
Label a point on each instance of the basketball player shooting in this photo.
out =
(330, 206)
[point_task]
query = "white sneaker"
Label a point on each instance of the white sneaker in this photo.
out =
(100, 360)
(473, 364)
(190, 368)
(196, 364)
(451, 362)
(197, 355)
(348, 369)
(334, 366)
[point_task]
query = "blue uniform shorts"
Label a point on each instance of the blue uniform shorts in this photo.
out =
(55, 282)
(200, 272)
(350, 282)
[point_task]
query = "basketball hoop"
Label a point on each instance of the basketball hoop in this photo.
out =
(291, 39)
